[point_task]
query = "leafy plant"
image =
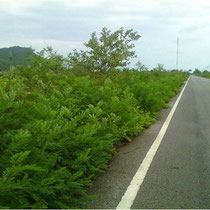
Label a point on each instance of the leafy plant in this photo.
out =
(109, 51)
(58, 128)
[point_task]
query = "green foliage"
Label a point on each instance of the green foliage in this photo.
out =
(58, 130)
(141, 67)
(13, 56)
(160, 67)
(109, 51)
(59, 125)
(197, 72)
(204, 73)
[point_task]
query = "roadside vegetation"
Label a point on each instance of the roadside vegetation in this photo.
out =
(60, 118)
(199, 73)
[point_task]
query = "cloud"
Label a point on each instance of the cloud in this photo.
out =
(81, 3)
(17, 7)
(126, 18)
(63, 47)
(66, 24)
(20, 7)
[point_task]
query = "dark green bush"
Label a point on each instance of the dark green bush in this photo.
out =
(58, 130)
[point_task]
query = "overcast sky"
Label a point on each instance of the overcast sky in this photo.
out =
(67, 24)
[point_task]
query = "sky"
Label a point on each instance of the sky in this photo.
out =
(67, 24)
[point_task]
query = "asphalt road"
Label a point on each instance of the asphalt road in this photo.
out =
(179, 175)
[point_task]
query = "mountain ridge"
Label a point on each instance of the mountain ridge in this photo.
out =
(13, 56)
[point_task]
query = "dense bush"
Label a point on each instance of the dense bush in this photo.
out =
(58, 129)
(60, 118)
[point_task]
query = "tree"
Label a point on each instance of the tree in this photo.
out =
(141, 67)
(47, 59)
(197, 71)
(205, 72)
(160, 67)
(109, 51)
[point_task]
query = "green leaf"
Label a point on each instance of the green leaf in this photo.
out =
(19, 157)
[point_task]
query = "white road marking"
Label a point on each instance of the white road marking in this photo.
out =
(132, 190)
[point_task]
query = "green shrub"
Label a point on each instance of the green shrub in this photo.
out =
(58, 130)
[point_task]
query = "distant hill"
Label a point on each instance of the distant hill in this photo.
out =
(13, 56)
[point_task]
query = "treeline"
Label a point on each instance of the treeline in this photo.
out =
(13, 56)
(199, 73)
(60, 118)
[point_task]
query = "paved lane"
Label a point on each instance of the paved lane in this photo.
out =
(179, 176)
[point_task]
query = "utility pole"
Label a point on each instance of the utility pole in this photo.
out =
(177, 54)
